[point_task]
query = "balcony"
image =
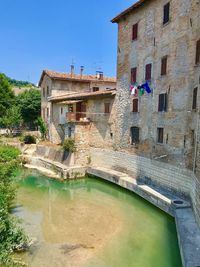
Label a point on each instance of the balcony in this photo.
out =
(77, 117)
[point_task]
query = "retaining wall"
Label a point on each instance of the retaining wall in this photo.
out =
(177, 180)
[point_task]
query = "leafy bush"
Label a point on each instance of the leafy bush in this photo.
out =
(29, 139)
(12, 237)
(42, 127)
(69, 145)
(8, 153)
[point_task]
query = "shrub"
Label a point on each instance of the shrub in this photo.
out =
(8, 153)
(29, 139)
(69, 145)
(12, 236)
(42, 128)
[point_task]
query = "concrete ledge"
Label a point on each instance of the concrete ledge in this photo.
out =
(188, 236)
(57, 169)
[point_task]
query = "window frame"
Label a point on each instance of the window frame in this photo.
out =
(95, 89)
(160, 135)
(164, 63)
(148, 72)
(166, 13)
(194, 98)
(197, 60)
(107, 107)
(163, 107)
(135, 140)
(134, 32)
(133, 75)
(137, 105)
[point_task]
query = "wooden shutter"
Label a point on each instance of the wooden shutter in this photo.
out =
(135, 105)
(133, 75)
(160, 135)
(107, 107)
(135, 135)
(134, 31)
(162, 102)
(198, 52)
(166, 13)
(148, 72)
(164, 66)
(194, 104)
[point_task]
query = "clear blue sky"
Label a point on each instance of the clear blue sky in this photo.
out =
(48, 34)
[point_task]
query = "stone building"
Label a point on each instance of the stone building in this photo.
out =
(79, 106)
(159, 42)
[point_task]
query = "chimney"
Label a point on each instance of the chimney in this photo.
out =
(101, 75)
(82, 69)
(72, 69)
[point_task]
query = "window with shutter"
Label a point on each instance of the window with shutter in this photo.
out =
(135, 131)
(133, 75)
(135, 32)
(166, 12)
(164, 66)
(95, 89)
(160, 133)
(135, 105)
(198, 52)
(162, 103)
(106, 107)
(194, 103)
(148, 72)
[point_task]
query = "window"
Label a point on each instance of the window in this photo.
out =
(106, 107)
(162, 103)
(135, 105)
(148, 72)
(160, 132)
(95, 89)
(43, 90)
(194, 103)
(135, 32)
(135, 134)
(164, 66)
(47, 112)
(61, 111)
(198, 52)
(133, 75)
(48, 91)
(166, 11)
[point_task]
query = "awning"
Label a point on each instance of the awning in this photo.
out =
(70, 102)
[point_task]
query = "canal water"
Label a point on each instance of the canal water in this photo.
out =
(92, 223)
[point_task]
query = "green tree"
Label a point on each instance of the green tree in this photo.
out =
(12, 118)
(7, 97)
(29, 103)
(42, 128)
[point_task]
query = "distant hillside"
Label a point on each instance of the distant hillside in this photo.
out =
(16, 83)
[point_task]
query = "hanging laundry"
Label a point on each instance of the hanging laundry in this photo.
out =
(146, 87)
(134, 91)
(131, 88)
(141, 91)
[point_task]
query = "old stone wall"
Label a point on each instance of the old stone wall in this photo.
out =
(176, 40)
(178, 180)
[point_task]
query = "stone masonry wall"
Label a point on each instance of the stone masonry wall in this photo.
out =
(178, 180)
(176, 40)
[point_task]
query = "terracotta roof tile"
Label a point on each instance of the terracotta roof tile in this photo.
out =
(74, 77)
(128, 10)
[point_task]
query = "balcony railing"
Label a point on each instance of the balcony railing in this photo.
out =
(77, 117)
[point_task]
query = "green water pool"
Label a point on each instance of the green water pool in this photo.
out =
(93, 223)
